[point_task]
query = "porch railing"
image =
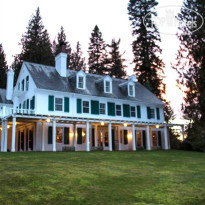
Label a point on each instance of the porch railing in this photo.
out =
(10, 111)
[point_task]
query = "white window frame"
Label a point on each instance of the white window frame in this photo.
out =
(58, 104)
(118, 110)
(87, 107)
(79, 75)
(152, 115)
(108, 79)
(104, 113)
(132, 111)
(133, 87)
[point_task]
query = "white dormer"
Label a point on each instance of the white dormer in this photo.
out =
(108, 84)
(80, 80)
(131, 85)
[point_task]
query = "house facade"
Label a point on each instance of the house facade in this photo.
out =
(55, 109)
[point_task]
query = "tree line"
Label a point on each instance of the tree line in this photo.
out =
(148, 66)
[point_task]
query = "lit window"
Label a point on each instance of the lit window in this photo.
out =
(59, 134)
(131, 90)
(58, 104)
(132, 111)
(83, 135)
(152, 113)
(154, 139)
(118, 110)
(107, 86)
(85, 106)
(80, 82)
(102, 108)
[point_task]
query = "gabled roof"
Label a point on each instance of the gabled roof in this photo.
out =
(3, 99)
(46, 77)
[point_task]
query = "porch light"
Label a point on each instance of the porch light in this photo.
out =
(8, 126)
(157, 126)
(102, 123)
(48, 120)
(125, 124)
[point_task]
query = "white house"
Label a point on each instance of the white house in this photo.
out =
(55, 109)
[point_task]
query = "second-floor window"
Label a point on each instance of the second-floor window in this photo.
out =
(118, 110)
(132, 111)
(85, 106)
(58, 104)
(102, 108)
(107, 86)
(131, 90)
(81, 82)
(152, 113)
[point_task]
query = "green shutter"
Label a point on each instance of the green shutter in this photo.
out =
(125, 137)
(144, 139)
(79, 133)
(33, 102)
(158, 114)
(50, 135)
(27, 104)
(148, 113)
(66, 135)
(138, 111)
(93, 137)
(50, 103)
(111, 109)
(27, 79)
(126, 110)
(22, 84)
(159, 139)
(94, 107)
(66, 104)
(79, 106)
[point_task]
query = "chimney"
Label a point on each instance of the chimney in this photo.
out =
(132, 78)
(10, 84)
(61, 61)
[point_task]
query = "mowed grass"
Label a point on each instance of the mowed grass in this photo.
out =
(142, 177)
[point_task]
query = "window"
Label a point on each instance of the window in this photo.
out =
(139, 138)
(131, 90)
(58, 104)
(83, 135)
(154, 139)
(81, 82)
(27, 83)
(59, 134)
(132, 111)
(102, 108)
(85, 106)
(152, 113)
(22, 85)
(107, 86)
(118, 110)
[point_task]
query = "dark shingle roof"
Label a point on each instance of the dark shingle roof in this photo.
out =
(46, 77)
(3, 97)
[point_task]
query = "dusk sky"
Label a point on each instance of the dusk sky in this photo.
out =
(78, 19)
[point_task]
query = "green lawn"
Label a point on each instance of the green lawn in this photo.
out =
(142, 177)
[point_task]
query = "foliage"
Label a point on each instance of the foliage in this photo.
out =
(3, 68)
(36, 46)
(191, 69)
(98, 59)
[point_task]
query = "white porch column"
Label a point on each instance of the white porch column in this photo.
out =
(110, 135)
(133, 138)
(96, 135)
(182, 132)
(165, 138)
(5, 135)
(148, 137)
(2, 136)
(118, 134)
(54, 135)
(74, 135)
(87, 136)
(43, 136)
(13, 138)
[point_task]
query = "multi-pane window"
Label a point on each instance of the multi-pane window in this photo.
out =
(102, 108)
(59, 134)
(132, 111)
(58, 104)
(118, 110)
(131, 90)
(152, 113)
(80, 82)
(85, 106)
(107, 86)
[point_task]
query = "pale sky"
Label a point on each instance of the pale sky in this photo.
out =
(78, 17)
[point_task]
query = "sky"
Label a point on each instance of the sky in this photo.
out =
(78, 17)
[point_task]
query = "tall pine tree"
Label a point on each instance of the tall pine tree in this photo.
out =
(191, 67)
(77, 62)
(3, 68)
(116, 67)
(98, 59)
(36, 46)
(61, 40)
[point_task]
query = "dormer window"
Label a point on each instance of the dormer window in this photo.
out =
(107, 84)
(80, 81)
(131, 91)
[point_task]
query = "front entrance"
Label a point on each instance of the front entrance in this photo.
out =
(25, 140)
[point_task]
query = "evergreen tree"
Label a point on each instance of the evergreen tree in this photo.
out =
(36, 46)
(98, 59)
(116, 68)
(191, 67)
(61, 40)
(77, 62)
(3, 68)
